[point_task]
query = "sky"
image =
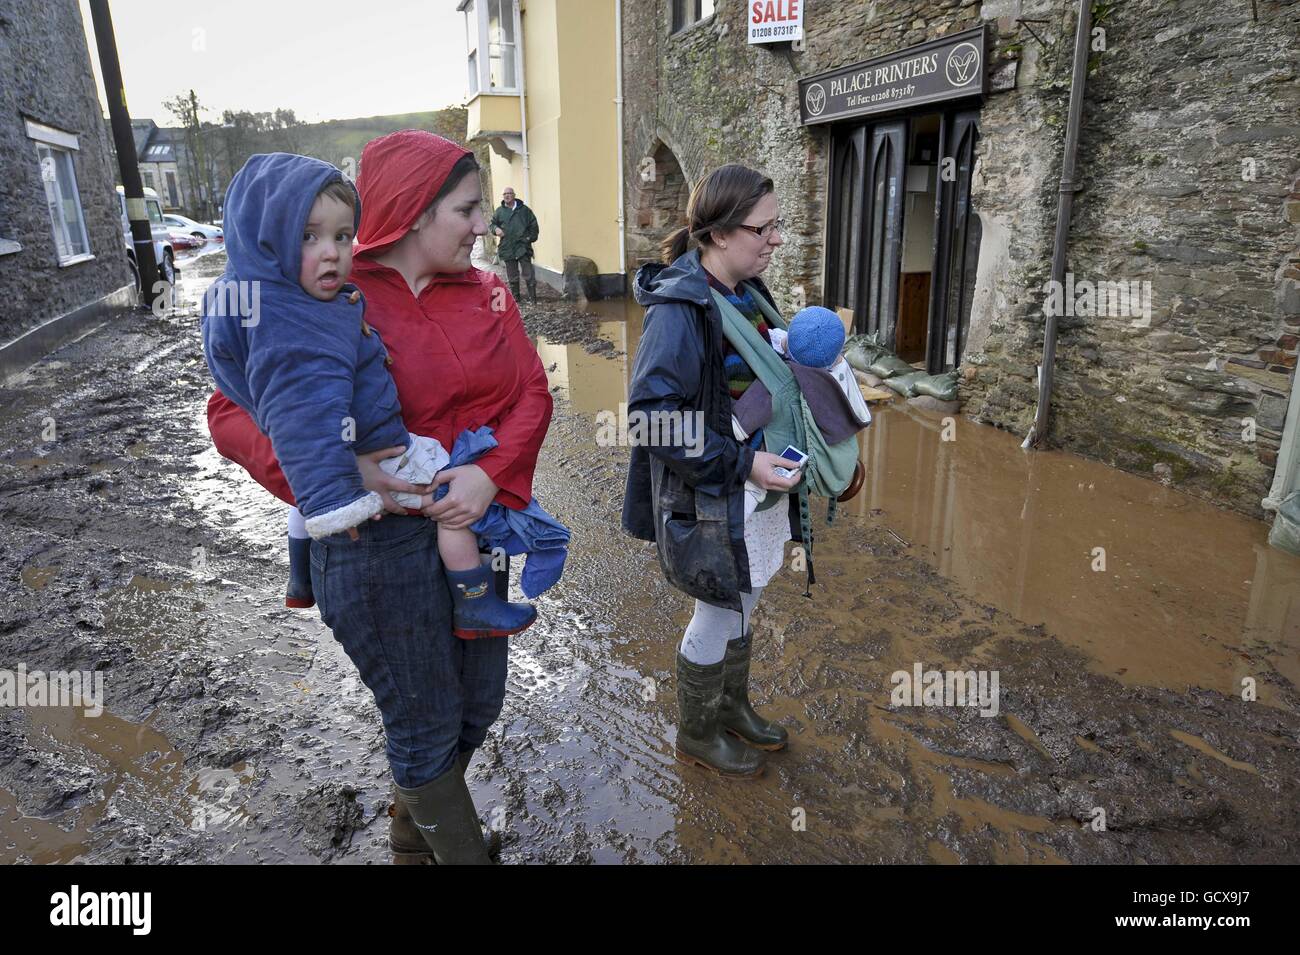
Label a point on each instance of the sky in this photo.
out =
(324, 59)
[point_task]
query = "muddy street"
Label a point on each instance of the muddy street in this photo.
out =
(1157, 696)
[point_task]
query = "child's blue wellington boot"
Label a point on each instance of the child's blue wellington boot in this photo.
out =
(299, 593)
(477, 611)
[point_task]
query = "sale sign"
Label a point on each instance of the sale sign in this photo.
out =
(775, 21)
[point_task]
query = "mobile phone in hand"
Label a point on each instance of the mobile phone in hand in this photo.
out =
(791, 453)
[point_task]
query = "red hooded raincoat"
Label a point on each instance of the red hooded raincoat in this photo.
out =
(457, 363)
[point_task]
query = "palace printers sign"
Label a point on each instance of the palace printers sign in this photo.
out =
(948, 68)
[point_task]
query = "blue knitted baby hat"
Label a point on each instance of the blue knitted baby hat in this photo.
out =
(816, 337)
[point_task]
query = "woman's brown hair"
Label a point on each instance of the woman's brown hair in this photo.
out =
(719, 203)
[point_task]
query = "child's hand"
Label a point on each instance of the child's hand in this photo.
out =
(375, 478)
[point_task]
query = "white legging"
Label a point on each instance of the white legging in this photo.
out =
(707, 634)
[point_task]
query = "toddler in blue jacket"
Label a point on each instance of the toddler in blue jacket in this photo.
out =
(285, 339)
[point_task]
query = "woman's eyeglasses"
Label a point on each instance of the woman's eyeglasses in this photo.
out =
(764, 231)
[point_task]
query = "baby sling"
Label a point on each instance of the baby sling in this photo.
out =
(829, 467)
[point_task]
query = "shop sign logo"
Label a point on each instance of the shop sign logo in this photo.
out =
(815, 99)
(963, 64)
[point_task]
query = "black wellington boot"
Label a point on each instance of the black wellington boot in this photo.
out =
(514, 288)
(700, 737)
(735, 714)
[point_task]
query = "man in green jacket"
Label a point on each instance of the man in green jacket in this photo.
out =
(515, 227)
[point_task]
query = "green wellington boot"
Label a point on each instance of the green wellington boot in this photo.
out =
(443, 811)
(404, 839)
(735, 714)
(700, 737)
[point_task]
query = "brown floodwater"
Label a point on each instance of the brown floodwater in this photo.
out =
(1180, 595)
(1156, 587)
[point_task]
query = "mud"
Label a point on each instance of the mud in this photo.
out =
(237, 730)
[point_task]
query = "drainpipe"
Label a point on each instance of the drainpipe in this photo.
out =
(523, 109)
(1284, 496)
(618, 132)
(1064, 209)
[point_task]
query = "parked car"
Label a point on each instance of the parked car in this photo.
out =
(179, 223)
(164, 252)
(183, 240)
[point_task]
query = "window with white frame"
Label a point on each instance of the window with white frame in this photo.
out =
(471, 44)
(491, 46)
(686, 12)
(54, 150)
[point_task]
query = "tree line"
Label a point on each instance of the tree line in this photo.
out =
(216, 149)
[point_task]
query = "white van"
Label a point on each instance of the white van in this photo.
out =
(162, 247)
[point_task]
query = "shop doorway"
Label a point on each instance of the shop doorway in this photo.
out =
(902, 239)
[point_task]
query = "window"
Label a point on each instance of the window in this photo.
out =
(8, 246)
(686, 12)
(471, 44)
(173, 194)
(149, 180)
(501, 44)
(54, 149)
(60, 181)
(490, 29)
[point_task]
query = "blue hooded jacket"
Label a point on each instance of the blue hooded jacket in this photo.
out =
(314, 383)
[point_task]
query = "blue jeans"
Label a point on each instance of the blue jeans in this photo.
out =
(385, 598)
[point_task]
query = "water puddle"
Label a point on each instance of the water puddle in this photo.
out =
(38, 578)
(132, 761)
(1200, 745)
(596, 381)
(1156, 587)
(153, 616)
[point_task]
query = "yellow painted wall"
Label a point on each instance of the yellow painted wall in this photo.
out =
(490, 113)
(589, 132)
(572, 182)
(541, 75)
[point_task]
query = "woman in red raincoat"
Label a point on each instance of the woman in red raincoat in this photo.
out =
(461, 360)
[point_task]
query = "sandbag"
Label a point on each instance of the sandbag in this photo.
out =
(930, 403)
(877, 394)
(887, 366)
(861, 350)
(903, 383)
(943, 387)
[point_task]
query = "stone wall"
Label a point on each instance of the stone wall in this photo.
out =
(45, 76)
(1190, 145)
(1181, 95)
